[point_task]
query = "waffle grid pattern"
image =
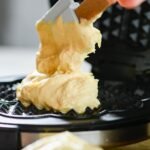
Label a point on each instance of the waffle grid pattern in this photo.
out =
(114, 95)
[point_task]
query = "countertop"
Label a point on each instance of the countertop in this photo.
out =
(16, 61)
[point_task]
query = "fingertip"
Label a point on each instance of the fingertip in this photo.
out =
(130, 3)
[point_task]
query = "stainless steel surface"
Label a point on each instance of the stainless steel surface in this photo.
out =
(105, 138)
(117, 137)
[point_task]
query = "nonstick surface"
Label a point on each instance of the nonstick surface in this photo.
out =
(113, 95)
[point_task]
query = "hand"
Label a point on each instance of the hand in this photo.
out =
(130, 3)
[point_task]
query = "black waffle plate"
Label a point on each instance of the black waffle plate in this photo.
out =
(122, 104)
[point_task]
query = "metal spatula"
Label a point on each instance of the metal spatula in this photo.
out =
(72, 12)
(63, 8)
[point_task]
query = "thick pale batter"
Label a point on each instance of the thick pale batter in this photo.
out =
(64, 46)
(58, 83)
(61, 92)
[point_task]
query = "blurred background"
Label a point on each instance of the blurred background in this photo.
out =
(18, 37)
(17, 21)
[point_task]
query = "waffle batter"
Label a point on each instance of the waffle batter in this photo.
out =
(64, 46)
(58, 83)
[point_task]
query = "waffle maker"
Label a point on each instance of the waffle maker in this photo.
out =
(123, 67)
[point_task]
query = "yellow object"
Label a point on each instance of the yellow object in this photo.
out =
(64, 46)
(61, 92)
(61, 141)
(58, 83)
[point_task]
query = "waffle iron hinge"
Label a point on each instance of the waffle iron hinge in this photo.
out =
(9, 137)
